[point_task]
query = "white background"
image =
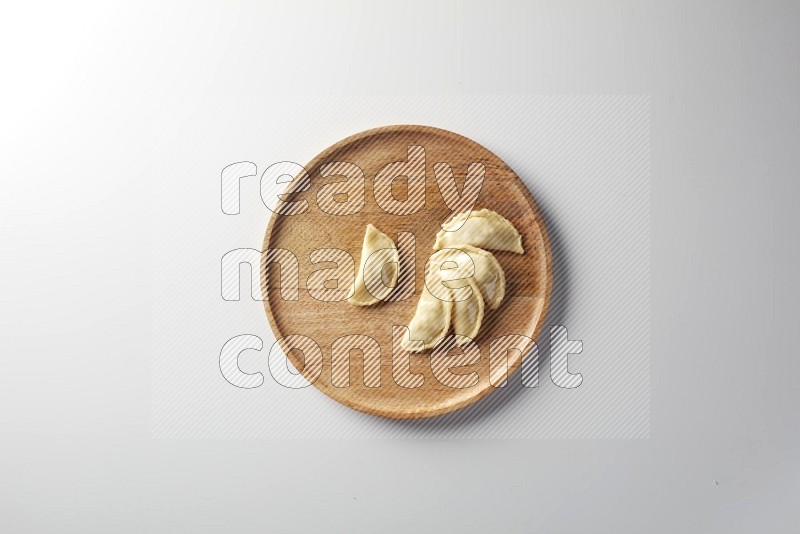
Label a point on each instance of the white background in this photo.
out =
(95, 100)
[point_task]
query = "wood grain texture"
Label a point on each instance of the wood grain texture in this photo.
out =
(529, 276)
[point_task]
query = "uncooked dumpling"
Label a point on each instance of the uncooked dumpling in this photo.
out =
(488, 274)
(483, 229)
(430, 323)
(440, 308)
(468, 314)
(375, 283)
(456, 289)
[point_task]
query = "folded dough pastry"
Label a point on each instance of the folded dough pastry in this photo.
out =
(373, 282)
(430, 323)
(456, 289)
(468, 314)
(437, 310)
(483, 229)
(487, 273)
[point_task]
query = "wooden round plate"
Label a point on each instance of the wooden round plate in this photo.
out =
(528, 276)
